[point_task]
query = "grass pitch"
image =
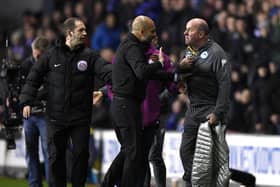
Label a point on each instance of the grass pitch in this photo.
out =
(12, 182)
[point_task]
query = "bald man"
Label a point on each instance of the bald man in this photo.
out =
(208, 85)
(131, 73)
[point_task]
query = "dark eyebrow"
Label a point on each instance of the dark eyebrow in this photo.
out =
(81, 29)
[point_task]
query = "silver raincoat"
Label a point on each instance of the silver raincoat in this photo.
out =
(211, 158)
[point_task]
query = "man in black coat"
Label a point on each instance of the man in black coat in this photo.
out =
(69, 69)
(131, 73)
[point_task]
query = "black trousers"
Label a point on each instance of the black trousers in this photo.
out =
(148, 138)
(58, 138)
(127, 119)
(187, 148)
(155, 158)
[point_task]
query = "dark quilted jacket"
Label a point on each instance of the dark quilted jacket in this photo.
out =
(70, 77)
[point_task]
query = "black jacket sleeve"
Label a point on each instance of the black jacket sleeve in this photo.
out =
(139, 65)
(103, 69)
(162, 75)
(34, 80)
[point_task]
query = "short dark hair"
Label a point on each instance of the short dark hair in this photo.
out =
(69, 24)
(40, 43)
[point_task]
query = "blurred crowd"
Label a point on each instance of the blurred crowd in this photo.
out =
(248, 30)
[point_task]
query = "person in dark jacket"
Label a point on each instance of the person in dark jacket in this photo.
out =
(153, 130)
(69, 69)
(36, 126)
(208, 87)
(131, 73)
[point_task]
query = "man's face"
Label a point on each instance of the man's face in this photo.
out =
(150, 33)
(155, 41)
(191, 33)
(36, 54)
(78, 36)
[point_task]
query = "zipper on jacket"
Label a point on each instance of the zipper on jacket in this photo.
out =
(68, 80)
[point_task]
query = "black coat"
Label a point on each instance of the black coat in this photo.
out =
(131, 71)
(42, 91)
(70, 76)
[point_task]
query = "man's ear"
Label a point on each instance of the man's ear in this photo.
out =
(201, 34)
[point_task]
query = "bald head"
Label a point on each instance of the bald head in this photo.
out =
(200, 24)
(143, 28)
(141, 22)
(196, 33)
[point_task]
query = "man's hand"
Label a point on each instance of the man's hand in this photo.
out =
(182, 87)
(212, 119)
(97, 97)
(187, 62)
(274, 118)
(160, 57)
(26, 111)
(154, 58)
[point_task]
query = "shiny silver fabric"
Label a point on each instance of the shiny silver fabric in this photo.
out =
(211, 158)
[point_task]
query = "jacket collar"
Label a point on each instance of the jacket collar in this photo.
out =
(133, 38)
(61, 44)
(76, 48)
(143, 45)
(207, 45)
